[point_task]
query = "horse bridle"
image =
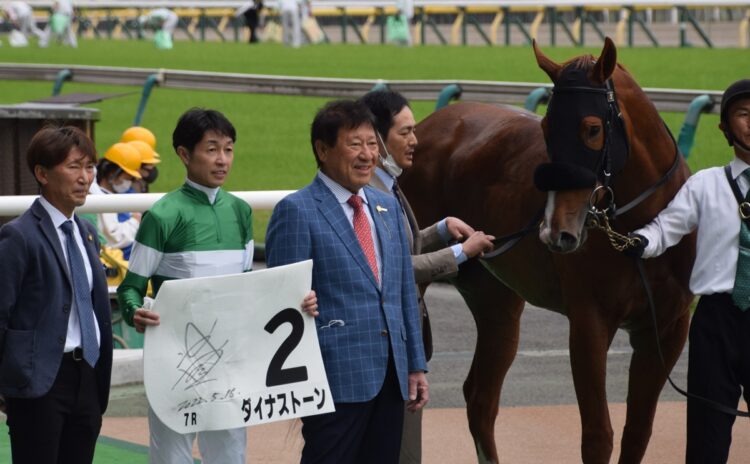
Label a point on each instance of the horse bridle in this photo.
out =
(603, 169)
(596, 217)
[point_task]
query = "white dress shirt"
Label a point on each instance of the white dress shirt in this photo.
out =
(342, 196)
(705, 203)
(73, 337)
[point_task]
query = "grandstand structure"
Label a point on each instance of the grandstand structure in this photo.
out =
(705, 23)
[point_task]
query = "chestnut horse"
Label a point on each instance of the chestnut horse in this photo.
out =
(478, 161)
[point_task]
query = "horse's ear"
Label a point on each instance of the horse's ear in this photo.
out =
(606, 63)
(550, 67)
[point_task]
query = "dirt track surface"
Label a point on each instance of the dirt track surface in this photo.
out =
(537, 434)
(538, 420)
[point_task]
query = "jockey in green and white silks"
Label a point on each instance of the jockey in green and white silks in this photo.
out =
(194, 231)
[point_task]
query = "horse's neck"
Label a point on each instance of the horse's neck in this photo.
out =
(652, 154)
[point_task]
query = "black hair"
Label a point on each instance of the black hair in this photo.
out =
(337, 115)
(105, 169)
(195, 122)
(384, 105)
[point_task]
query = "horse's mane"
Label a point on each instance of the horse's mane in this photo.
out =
(586, 62)
(580, 62)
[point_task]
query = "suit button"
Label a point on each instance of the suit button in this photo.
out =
(66, 309)
(384, 333)
(61, 340)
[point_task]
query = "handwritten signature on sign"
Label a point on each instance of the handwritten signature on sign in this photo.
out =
(199, 357)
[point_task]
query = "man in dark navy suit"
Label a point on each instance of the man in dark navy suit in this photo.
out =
(55, 330)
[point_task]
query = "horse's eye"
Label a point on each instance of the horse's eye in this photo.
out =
(594, 131)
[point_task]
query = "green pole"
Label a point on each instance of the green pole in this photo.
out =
(62, 76)
(683, 26)
(151, 80)
(449, 92)
(506, 22)
(552, 18)
(202, 22)
(630, 25)
(687, 131)
(343, 25)
(380, 86)
(536, 96)
(382, 18)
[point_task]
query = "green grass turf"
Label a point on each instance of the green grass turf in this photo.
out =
(108, 450)
(273, 150)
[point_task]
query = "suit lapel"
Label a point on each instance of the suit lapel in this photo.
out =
(415, 246)
(331, 210)
(98, 279)
(386, 232)
(49, 232)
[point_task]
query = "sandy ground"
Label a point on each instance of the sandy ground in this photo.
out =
(537, 434)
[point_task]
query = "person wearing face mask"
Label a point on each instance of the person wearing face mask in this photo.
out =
(148, 169)
(115, 174)
(149, 159)
(432, 256)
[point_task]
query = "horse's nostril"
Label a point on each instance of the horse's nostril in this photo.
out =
(567, 240)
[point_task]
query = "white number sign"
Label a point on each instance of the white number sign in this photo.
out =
(235, 350)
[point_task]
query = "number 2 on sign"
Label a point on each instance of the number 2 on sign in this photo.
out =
(276, 374)
(191, 418)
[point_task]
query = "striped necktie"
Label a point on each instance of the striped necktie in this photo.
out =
(741, 291)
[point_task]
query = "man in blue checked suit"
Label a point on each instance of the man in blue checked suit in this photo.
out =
(368, 322)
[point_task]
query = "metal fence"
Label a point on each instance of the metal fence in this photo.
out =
(512, 93)
(492, 22)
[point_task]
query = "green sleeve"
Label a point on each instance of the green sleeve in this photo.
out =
(130, 295)
(144, 260)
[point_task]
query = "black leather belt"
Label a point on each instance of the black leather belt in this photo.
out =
(75, 355)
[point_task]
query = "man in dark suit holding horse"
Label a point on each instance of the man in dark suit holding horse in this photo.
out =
(55, 330)
(432, 258)
(368, 322)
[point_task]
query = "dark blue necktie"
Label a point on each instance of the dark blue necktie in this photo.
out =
(82, 295)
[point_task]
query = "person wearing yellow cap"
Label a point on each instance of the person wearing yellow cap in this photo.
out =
(115, 174)
(148, 170)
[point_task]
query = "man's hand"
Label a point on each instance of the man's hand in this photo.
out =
(143, 318)
(419, 391)
(458, 229)
(477, 244)
(310, 304)
(637, 247)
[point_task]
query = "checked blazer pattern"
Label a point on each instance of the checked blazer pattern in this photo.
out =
(310, 224)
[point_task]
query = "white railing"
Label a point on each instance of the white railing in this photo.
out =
(136, 202)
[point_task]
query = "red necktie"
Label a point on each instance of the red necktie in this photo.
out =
(362, 229)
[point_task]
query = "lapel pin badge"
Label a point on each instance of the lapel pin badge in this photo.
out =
(91, 239)
(380, 209)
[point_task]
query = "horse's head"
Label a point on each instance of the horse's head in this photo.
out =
(586, 144)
